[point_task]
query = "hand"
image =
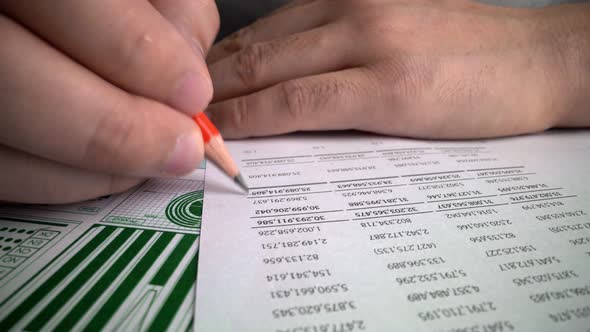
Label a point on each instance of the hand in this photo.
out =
(422, 68)
(95, 95)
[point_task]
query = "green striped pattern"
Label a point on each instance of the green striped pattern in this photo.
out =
(129, 262)
(175, 299)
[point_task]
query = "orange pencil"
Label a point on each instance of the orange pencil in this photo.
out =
(216, 151)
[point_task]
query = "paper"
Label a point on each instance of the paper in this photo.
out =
(366, 233)
(119, 263)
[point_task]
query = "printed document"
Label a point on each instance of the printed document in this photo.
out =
(354, 232)
(122, 262)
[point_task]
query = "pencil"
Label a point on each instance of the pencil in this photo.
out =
(216, 151)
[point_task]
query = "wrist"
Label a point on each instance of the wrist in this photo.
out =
(569, 29)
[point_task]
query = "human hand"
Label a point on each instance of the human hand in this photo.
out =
(95, 95)
(422, 68)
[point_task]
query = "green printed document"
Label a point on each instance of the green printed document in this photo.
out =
(119, 263)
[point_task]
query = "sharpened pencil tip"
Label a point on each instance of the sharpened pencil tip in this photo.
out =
(240, 181)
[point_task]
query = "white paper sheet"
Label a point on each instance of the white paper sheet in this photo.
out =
(365, 233)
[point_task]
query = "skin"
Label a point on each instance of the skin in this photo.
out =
(95, 96)
(453, 69)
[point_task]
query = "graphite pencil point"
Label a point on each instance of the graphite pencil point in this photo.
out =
(240, 181)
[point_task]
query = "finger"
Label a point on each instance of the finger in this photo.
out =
(297, 18)
(323, 102)
(196, 20)
(55, 108)
(126, 42)
(261, 65)
(29, 179)
(291, 4)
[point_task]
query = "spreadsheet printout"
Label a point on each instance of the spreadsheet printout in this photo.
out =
(356, 232)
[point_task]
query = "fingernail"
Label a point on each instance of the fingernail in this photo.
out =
(192, 94)
(186, 155)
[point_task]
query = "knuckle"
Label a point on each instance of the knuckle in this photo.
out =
(213, 12)
(333, 88)
(249, 64)
(243, 36)
(137, 43)
(142, 48)
(295, 98)
(408, 78)
(302, 99)
(240, 117)
(237, 40)
(373, 23)
(208, 12)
